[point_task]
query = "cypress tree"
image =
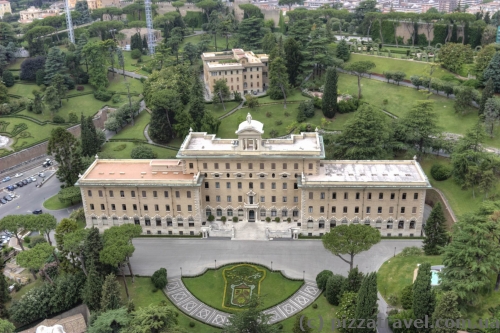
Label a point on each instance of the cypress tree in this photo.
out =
(92, 246)
(144, 43)
(435, 232)
(329, 104)
(8, 78)
(446, 308)
(4, 296)
(197, 103)
(91, 293)
(342, 51)
(110, 297)
(55, 64)
(423, 297)
(85, 136)
(353, 281)
(488, 92)
(366, 304)
(136, 42)
(493, 71)
(94, 147)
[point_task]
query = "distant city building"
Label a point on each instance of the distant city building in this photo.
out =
(4, 8)
(94, 4)
(128, 33)
(491, 7)
(31, 14)
(243, 71)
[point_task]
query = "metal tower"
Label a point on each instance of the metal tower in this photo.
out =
(149, 25)
(69, 22)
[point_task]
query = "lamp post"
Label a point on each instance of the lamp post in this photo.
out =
(215, 263)
(271, 265)
(181, 271)
(303, 275)
(394, 251)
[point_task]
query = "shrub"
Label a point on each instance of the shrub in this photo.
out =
(27, 239)
(191, 324)
(307, 107)
(103, 95)
(392, 299)
(72, 118)
(211, 218)
(273, 133)
(322, 278)
(223, 219)
(334, 286)
(472, 83)
(280, 326)
(142, 152)
(289, 220)
(317, 102)
(278, 122)
(83, 78)
(80, 88)
(116, 98)
(30, 66)
(348, 106)
(268, 219)
(407, 297)
(277, 219)
(440, 172)
(16, 77)
(252, 102)
(411, 251)
(385, 101)
(120, 147)
(315, 306)
(58, 119)
(235, 219)
(268, 114)
(393, 312)
(136, 54)
(287, 114)
(36, 240)
(159, 279)
(8, 79)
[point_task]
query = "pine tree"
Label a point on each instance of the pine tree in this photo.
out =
(342, 51)
(4, 296)
(92, 246)
(94, 147)
(366, 304)
(110, 297)
(493, 71)
(84, 136)
(293, 58)
(59, 84)
(144, 43)
(353, 281)
(278, 80)
(329, 104)
(446, 308)
(82, 8)
(82, 41)
(435, 231)
(197, 103)
(423, 297)
(298, 328)
(91, 293)
(487, 93)
(55, 64)
(136, 42)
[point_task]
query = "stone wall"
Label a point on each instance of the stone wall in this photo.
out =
(166, 7)
(402, 31)
(432, 197)
(33, 152)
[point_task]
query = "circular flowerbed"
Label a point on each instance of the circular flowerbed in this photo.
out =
(229, 288)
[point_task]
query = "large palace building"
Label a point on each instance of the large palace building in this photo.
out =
(252, 178)
(243, 71)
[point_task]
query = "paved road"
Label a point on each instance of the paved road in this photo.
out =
(295, 257)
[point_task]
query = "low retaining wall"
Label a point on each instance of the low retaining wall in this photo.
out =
(40, 149)
(433, 196)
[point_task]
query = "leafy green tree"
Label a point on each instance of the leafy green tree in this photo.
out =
(8, 78)
(64, 227)
(359, 69)
(220, 93)
(322, 278)
(88, 136)
(92, 290)
(110, 321)
(60, 86)
(159, 278)
(52, 99)
(66, 151)
(491, 114)
(6, 326)
(197, 101)
(44, 224)
(342, 51)
(483, 59)
(471, 257)
(365, 136)
(366, 304)
(329, 104)
(347, 310)
(154, 318)
(268, 43)
(351, 240)
(435, 231)
(82, 8)
(418, 128)
(423, 296)
(142, 152)
(278, 80)
(453, 56)
(398, 76)
(110, 297)
(463, 99)
(70, 195)
(293, 58)
(486, 94)
(252, 319)
(12, 224)
(4, 297)
(95, 57)
(288, 3)
(74, 244)
(446, 309)
(35, 258)
(334, 286)
(55, 64)
(250, 32)
(353, 281)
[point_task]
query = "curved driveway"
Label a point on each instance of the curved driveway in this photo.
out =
(296, 258)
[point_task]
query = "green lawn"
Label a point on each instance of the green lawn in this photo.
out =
(461, 201)
(296, 96)
(209, 288)
(16, 64)
(141, 292)
(16, 296)
(131, 64)
(410, 67)
(396, 273)
(137, 130)
(33, 133)
(221, 42)
(118, 84)
(23, 89)
(217, 109)
(123, 149)
(53, 203)
(324, 309)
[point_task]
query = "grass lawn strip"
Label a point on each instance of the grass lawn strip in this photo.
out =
(209, 288)
(53, 203)
(135, 131)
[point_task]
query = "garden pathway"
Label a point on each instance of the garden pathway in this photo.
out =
(181, 297)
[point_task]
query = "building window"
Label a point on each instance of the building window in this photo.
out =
(158, 222)
(379, 210)
(134, 207)
(393, 195)
(228, 166)
(402, 210)
(346, 195)
(401, 224)
(369, 195)
(262, 166)
(334, 196)
(124, 207)
(228, 198)
(206, 185)
(240, 198)
(295, 213)
(155, 194)
(334, 209)
(356, 210)
(381, 196)
(412, 224)
(229, 212)
(273, 198)
(250, 185)
(102, 207)
(250, 166)
(284, 186)
(295, 199)
(322, 209)
(311, 195)
(322, 195)
(169, 222)
(167, 208)
(217, 198)
(143, 194)
(284, 213)
(414, 210)
(391, 210)
(357, 195)
(100, 193)
(415, 196)
(404, 196)
(284, 199)
(368, 210)
(157, 208)
(136, 220)
(310, 209)
(190, 165)
(310, 166)
(239, 185)
(219, 212)
(345, 210)
(262, 186)
(145, 207)
(208, 212)
(273, 186)
(207, 198)
(273, 212)
(216, 166)
(238, 166)
(263, 213)
(122, 194)
(165, 194)
(91, 206)
(89, 193)
(217, 185)
(205, 166)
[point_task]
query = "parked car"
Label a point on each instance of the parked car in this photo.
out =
(7, 197)
(41, 174)
(37, 211)
(15, 186)
(2, 201)
(6, 179)
(17, 175)
(33, 179)
(28, 180)
(25, 182)
(10, 187)
(47, 163)
(20, 184)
